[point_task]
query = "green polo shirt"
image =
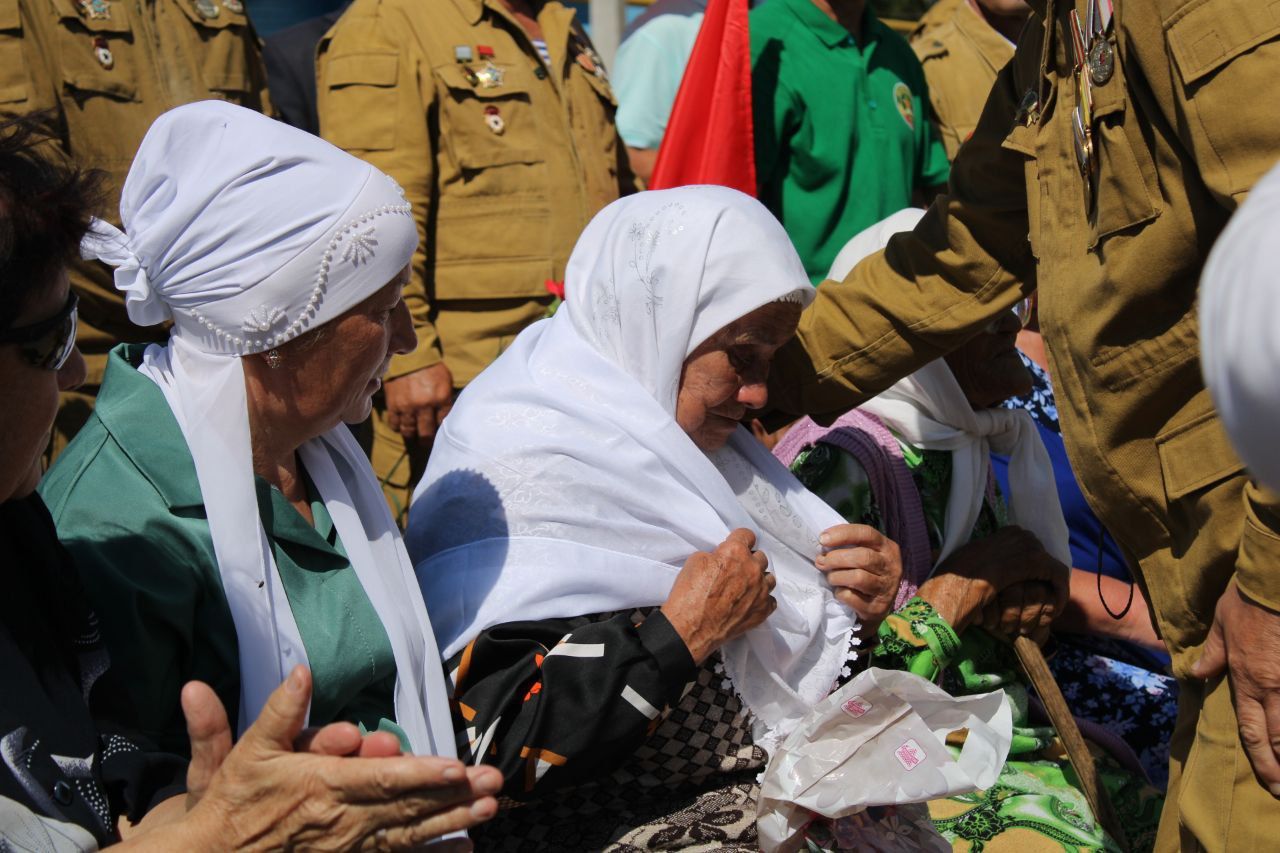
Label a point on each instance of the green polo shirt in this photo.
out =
(127, 505)
(841, 129)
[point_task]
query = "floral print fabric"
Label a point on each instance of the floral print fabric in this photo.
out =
(1036, 804)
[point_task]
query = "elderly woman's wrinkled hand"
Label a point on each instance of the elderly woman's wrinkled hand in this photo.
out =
(1005, 581)
(720, 595)
(864, 567)
(263, 794)
(1024, 609)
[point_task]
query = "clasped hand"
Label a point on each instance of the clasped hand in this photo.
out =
(720, 595)
(864, 567)
(1005, 582)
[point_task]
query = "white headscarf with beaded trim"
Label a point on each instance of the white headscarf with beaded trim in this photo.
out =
(247, 233)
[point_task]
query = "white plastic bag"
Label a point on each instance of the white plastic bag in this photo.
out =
(879, 741)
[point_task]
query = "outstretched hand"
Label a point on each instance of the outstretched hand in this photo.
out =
(345, 792)
(1244, 642)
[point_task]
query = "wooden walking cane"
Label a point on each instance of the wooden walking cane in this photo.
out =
(1037, 669)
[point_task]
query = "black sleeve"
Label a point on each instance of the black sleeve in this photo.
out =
(563, 701)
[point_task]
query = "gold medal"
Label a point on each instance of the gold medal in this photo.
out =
(489, 76)
(96, 10)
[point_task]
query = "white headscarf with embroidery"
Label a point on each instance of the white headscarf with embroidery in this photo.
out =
(561, 484)
(247, 233)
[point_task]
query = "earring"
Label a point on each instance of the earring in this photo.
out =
(273, 359)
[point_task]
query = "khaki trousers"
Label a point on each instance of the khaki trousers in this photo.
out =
(1214, 802)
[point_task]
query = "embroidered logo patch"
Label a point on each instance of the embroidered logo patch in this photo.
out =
(856, 706)
(902, 100)
(910, 754)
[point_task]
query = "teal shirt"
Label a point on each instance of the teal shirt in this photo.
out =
(841, 129)
(127, 505)
(647, 74)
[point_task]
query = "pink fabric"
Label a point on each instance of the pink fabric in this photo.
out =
(878, 452)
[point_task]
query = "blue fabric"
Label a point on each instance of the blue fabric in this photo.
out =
(1083, 526)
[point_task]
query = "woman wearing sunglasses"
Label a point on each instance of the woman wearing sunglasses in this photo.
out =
(66, 773)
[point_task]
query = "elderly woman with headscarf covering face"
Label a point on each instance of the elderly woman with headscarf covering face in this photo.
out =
(223, 518)
(622, 579)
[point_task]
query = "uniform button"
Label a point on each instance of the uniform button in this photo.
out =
(540, 73)
(62, 792)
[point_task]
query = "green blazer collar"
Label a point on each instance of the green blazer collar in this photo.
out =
(153, 442)
(155, 445)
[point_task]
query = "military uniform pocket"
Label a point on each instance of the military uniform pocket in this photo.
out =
(1195, 455)
(1227, 53)
(223, 41)
(96, 55)
(484, 126)
(363, 99)
(13, 67)
(1125, 191)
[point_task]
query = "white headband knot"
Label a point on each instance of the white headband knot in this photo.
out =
(109, 244)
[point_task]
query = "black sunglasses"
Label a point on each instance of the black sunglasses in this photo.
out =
(49, 342)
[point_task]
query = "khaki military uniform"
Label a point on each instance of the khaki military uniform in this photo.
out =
(504, 159)
(106, 69)
(1181, 130)
(961, 55)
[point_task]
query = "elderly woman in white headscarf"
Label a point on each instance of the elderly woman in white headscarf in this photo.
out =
(599, 540)
(224, 521)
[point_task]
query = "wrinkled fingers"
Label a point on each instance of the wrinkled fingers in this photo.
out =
(412, 835)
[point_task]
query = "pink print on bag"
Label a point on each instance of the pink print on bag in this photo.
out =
(910, 755)
(856, 706)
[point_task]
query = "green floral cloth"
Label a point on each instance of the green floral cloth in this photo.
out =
(1036, 804)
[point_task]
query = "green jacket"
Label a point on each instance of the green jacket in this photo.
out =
(127, 504)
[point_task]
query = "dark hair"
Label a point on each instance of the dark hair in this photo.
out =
(46, 202)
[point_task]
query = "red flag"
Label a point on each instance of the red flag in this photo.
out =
(709, 136)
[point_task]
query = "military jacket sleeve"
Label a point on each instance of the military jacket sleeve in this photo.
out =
(1258, 566)
(376, 99)
(931, 289)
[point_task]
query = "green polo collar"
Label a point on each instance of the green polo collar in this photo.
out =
(828, 31)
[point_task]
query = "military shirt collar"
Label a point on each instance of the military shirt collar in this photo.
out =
(828, 31)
